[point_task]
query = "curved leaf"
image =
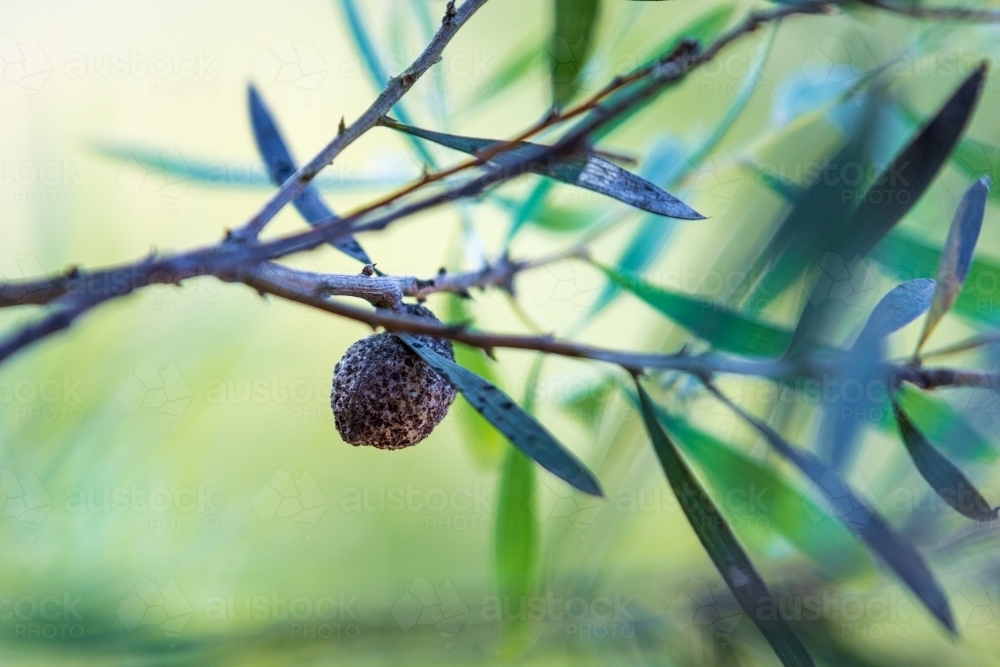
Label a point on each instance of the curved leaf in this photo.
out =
(521, 428)
(956, 258)
(892, 194)
(941, 474)
(725, 551)
(900, 306)
(280, 166)
(843, 420)
(861, 518)
(589, 172)
(792, 513)
(723, 328)
(942, 424)
(901, 254)
(909, 175)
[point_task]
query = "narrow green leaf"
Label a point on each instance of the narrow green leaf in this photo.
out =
(723, 328)
(281, 165)
(722, 546)
(528, 209)
(790, 512)
(862, 518)
(956, 258)
(521, 428)
(589, 171)
(571, 45)
(941, 474)
(516, 532)
(943, 425)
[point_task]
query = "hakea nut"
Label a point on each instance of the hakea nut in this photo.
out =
(384, 395)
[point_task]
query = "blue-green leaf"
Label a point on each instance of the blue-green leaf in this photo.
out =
(843, 420)
(722, 546)
(862, 518)
(901, 254)
(956, 258)
(944, 426)
(941, 474)
(586, 171)
(790, 512)
(900, 306)
(281, 165)
(521, 428)
(911, 172)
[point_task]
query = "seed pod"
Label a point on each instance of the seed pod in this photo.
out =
(384, 395)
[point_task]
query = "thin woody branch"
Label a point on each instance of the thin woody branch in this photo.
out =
(704, 366)
(240, 258)
(388, 291)
(394, 91)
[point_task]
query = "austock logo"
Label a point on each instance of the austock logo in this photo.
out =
(838, 60)
(23, 498)
(295, 63)
(556, 500)
(286, 496)
(852, 283)
(23, 63)
(438, 606)
(148, 603)
(701, 605)
(152, 170)
(976, 606)
(152, 388)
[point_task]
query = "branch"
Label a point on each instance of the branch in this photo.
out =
(393, 92)
(388, 291)
(936, 13)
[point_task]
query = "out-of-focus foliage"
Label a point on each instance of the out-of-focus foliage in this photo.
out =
(172, 489)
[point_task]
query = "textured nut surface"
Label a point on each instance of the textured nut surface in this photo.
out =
(384, 395)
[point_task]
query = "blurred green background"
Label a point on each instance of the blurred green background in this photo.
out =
(174, 490)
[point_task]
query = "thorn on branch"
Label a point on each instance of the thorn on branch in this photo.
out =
(342, 127)
(449, 13)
